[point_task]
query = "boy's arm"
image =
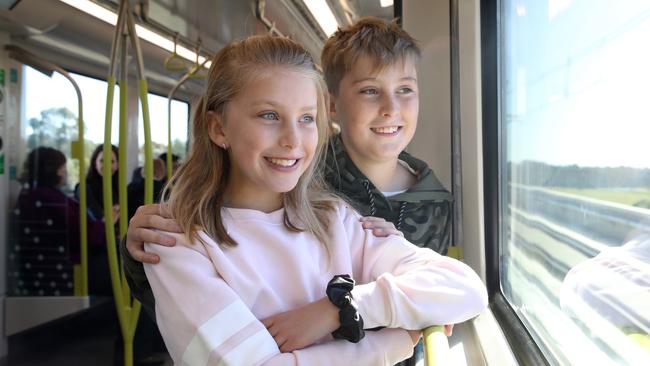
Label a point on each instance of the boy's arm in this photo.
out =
(141, 227)
(403, 286)
(137, 279)
(204, 322)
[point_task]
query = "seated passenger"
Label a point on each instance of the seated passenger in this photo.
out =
(95, 182)
(267, 268)
(48, 235)
(136, 187)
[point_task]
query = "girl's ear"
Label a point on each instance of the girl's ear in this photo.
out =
(215, 128)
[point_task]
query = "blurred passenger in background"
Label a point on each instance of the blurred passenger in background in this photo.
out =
(95, 184)
(49, 229)
(136, 187)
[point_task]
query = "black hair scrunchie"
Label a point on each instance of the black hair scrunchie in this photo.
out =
(338, 292)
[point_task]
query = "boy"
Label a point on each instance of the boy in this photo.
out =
(370, 73)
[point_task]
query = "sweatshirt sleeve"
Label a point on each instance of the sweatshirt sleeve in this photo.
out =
(404, 286)
(204, 322)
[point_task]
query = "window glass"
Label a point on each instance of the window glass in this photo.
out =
(575, 176)
(159, 132)
(43, 243)
(51, 114)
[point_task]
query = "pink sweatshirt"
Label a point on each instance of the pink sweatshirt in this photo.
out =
(210, 298)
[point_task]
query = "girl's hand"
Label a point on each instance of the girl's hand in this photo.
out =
(116, 213)
(146, 218)
(302, 327)
(380, 227)
(415, 336)
(449, 329)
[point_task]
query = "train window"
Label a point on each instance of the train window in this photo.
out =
(51, 115)
(159, 132)
(574, 190)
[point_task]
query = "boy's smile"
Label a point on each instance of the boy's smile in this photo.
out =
(377, 110)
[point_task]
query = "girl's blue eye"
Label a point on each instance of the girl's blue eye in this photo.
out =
(370, 91)
(405, 90)
(307, 119)
(270, 116)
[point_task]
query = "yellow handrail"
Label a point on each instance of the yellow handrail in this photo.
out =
(128, 309)
(436, 346)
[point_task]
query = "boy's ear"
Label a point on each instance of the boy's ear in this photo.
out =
(332, 107)
(215, 128)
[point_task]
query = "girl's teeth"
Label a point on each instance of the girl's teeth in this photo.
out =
(283, 162)
(385, 129)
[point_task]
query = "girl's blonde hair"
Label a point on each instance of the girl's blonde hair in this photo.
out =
(195, 192)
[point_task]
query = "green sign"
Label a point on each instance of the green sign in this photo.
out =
(2, 164)
(2, 77)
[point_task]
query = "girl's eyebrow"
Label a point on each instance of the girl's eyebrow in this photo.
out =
(276, 105)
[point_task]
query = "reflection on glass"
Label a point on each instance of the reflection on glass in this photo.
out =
(575, 191)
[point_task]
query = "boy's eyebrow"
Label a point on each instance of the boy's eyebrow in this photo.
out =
(406, 78)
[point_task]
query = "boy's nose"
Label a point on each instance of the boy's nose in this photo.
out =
(389, 106)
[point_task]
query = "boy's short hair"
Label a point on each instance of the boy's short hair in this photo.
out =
(382, 41)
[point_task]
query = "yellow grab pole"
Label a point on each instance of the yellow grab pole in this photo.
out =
(436, 346)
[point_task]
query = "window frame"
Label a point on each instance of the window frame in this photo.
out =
(523, 346)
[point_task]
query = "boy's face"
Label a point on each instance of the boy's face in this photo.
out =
(377, 111)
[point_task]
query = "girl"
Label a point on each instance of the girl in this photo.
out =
(264, 272)
(94, 182)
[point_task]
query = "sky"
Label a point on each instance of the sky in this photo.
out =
(577, 82)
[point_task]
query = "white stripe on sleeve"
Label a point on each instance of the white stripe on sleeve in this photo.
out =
(215, 332)
(251, 351)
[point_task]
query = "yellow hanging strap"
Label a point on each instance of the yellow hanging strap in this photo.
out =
(170, 98)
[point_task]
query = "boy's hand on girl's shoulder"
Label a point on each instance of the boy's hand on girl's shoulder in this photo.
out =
(302, 327)
(141, 229)
(380, 227)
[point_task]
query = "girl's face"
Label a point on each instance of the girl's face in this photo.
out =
(99, 163)
(271, 134)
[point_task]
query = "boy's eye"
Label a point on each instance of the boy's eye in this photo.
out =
(269, 115)
(405, 90)
(307, 118)
(370, 91)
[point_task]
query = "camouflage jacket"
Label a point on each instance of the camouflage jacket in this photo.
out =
(422, 213)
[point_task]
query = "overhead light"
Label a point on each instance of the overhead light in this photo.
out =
(323, 14)
(146, 34)
(386, 3)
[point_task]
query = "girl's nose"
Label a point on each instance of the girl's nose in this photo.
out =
(289, 138)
